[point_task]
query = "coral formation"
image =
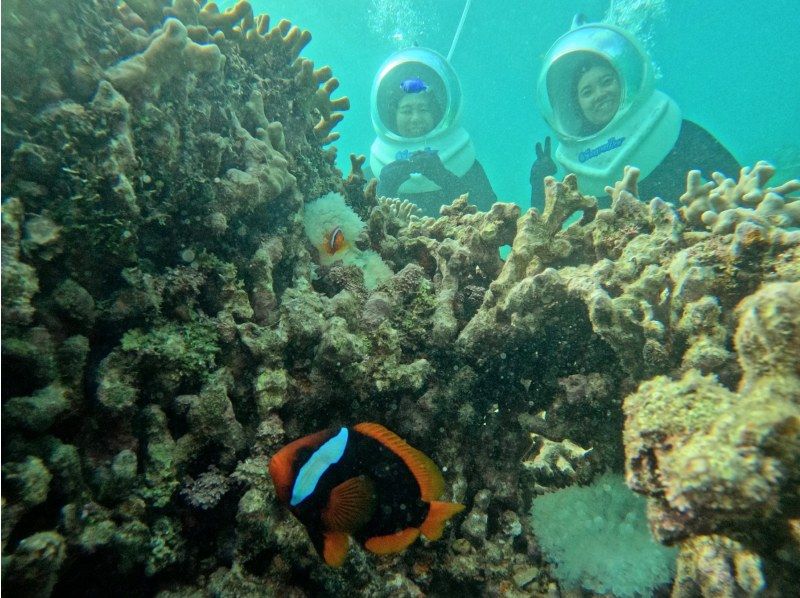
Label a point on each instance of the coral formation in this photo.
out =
(718, 462)
(168, 325)
(168, 55)
(723, 203)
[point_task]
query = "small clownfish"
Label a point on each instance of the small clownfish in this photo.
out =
(335, 241)
(363, 482)
(413, 85)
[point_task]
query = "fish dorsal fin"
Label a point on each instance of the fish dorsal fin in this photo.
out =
(334, 548)
(393, 542)
(350, 505)
(427, 474)
(438, 514)
(282, 466)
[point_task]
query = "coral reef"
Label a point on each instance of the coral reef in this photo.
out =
(168, 325)
(334, 229)
(719, 463)
(723, 203)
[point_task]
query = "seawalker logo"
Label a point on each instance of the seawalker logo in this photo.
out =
(612, 143)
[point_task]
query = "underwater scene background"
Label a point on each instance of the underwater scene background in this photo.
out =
(198, 278)
(725, 64)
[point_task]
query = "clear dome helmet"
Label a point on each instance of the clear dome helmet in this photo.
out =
(645, 125)
(447, 137)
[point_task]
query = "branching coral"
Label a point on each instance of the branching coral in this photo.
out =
(329, 109)
(264, 177)
(240, 14)
(139, 208)
(283, 38)
(170, 52)
(189, 41)
(723, 203)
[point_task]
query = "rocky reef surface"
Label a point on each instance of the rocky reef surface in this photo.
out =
(167, 327)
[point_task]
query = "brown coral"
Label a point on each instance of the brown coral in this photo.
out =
(718, 462)
(723, 203)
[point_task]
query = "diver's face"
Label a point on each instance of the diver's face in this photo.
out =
(599, 95)
(414, 115)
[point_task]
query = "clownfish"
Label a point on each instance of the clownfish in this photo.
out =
(334, 241)
(363, 482)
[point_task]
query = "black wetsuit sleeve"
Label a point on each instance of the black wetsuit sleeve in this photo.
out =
(695, 149)
(537, 194)
(476, 183)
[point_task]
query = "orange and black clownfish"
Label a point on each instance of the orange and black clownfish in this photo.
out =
(334, 241)
(365, 482)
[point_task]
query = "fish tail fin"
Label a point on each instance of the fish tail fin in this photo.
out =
(438, 514)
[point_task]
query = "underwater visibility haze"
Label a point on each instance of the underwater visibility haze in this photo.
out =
(265, 331)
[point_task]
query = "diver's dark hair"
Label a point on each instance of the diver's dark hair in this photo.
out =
(588, 62)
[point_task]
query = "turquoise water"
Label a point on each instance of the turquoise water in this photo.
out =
(732, 66)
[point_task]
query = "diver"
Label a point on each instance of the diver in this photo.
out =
(597, 92)
(421, 152)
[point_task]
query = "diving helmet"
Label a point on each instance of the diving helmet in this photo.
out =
(419, 70)
(646, 123)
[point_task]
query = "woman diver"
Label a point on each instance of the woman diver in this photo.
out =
(421, 152)
(597, 92)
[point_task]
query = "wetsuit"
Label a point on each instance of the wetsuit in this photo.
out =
(474, 181)
(695, 149)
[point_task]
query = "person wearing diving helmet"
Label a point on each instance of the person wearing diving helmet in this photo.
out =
(597, 92)
(421, 152)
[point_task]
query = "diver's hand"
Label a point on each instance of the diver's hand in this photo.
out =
(392, 176)
(543, 165)
(429, 164)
